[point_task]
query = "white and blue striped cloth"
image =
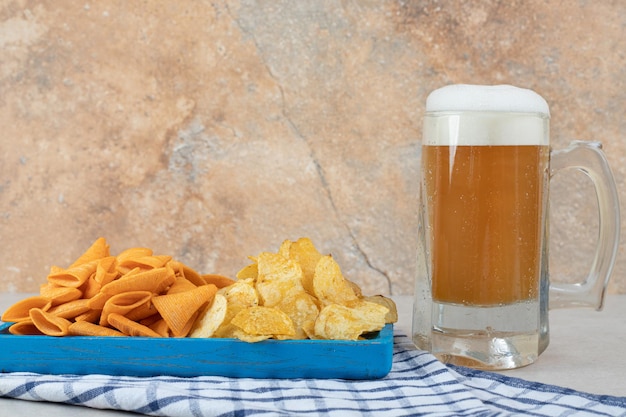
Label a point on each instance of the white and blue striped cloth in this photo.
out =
(417, 385)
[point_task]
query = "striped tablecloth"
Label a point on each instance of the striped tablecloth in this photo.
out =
(417, 385)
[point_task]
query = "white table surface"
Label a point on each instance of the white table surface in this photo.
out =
(587, 353)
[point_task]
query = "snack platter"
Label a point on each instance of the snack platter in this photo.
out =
(188, 357)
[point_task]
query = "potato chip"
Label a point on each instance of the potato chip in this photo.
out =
(306, 255)
(245, 337)
(241, 293)
(211, 319)
(355, 288)
(302, 308)
(264, 321)
(341, 322)
(284, 248)
(227, 329)
(329, 285)
(239, 296)
(251, 271)
(392, 315)
(278, 278)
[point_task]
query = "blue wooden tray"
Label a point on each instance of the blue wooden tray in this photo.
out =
(187, 357)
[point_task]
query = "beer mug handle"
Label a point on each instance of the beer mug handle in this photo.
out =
(589, 158)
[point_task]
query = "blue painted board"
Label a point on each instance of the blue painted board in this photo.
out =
(188, 357)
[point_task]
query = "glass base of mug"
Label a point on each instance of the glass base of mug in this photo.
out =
(488, 338)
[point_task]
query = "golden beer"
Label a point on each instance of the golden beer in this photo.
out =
(484, 206)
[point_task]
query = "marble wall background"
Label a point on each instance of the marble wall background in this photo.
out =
(214, 130)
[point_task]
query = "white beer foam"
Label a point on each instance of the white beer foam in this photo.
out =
(500, 98)
(477, 115)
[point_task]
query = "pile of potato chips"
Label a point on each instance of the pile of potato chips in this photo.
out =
(296, 293)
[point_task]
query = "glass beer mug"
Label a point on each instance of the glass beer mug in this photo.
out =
(482, 290)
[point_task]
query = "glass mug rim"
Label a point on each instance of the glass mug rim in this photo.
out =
(499, 113)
